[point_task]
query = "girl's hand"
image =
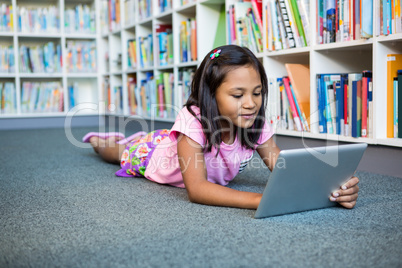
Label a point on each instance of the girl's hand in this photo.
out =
(347, 196)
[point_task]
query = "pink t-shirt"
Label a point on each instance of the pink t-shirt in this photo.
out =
(164, 167)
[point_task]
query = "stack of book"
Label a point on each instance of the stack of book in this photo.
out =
(132, 54)
(388, 17)
(146, 51)
(164, 38)
(145, 9)
(39, 20)
(287, 24)
(6, 18)
(188, 40)
(7, 59)
(345, 20)
(8, 101)
(81, 56)
(345, 104)
(41, 97)
(289, 99)
(394, 96)
(80, 19)
(244, 22)
(41, 59)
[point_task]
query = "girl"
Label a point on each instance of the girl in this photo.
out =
(213, 137)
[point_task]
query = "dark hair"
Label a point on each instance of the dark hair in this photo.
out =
(208, 77)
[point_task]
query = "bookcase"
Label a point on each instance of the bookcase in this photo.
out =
(52, 57)
(120, 70)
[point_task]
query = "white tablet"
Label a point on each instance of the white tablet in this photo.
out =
(303, 179)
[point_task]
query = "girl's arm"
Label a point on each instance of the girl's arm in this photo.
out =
(199, 189)
(269, 153)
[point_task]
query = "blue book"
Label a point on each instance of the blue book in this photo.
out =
(367, 19)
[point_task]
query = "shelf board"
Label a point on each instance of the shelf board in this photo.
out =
(322, 136)
(290, 51)
(147, 69)
(130, 70)
(188, 64)
(165, 15)
(39, 35)
(7, 75)
(80, 36)
(165, 67)
(6, 34)
(390, 38)
(390, 142)
(41, 75)
(347, 45)
(136, 116)
(82, 75)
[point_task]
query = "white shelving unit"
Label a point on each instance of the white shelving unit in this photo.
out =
(88, 83)
(352, 56)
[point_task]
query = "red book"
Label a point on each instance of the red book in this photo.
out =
(292, 104)
(257, 10)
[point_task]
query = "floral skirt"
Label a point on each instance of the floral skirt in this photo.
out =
(136, 156)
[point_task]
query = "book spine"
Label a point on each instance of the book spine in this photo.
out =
(399, 103)
(292, 104)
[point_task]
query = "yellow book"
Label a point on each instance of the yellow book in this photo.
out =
(394, 63)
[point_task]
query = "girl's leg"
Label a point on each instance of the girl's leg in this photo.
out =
(108, 149)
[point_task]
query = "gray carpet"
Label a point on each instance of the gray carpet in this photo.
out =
(61, 206)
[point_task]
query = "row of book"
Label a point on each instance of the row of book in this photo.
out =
(144, 9)
(132, 53)
(45, 58)
(41, 97)
(345, 104)
(165, 5)
(394, 96)
(389, 17)
(7, 98)
(7, 64)
(110, 15)
(344, 20)
(6, 18)
(244, 25)
(39, 20)
(146, 51)
(287, 24)
(113, 97)
(129, 10)
(184, 86)
(188, 40)
(80, 19)
(164, 38)
(81, 56)
(398, 105)
(152, 96)
(289, 99)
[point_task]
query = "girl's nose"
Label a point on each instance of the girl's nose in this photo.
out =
(249, 102)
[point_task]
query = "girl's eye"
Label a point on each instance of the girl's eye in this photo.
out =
(257, 94)
(237, 96)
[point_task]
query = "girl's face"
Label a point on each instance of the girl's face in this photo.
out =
(239, 97)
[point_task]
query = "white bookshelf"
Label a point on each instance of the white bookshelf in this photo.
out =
(89, 83)
(351, 56)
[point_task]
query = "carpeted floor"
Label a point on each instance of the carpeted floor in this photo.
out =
(61, 206)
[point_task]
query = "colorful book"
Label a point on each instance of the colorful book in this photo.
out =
(394, 63)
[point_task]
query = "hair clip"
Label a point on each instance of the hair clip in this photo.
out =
(215, 54)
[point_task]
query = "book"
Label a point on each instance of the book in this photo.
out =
(292, 104)
(394, 63)
(299, 75)
(399, 104)
(367, 75)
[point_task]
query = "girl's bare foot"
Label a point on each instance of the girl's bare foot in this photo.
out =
(98, 142)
